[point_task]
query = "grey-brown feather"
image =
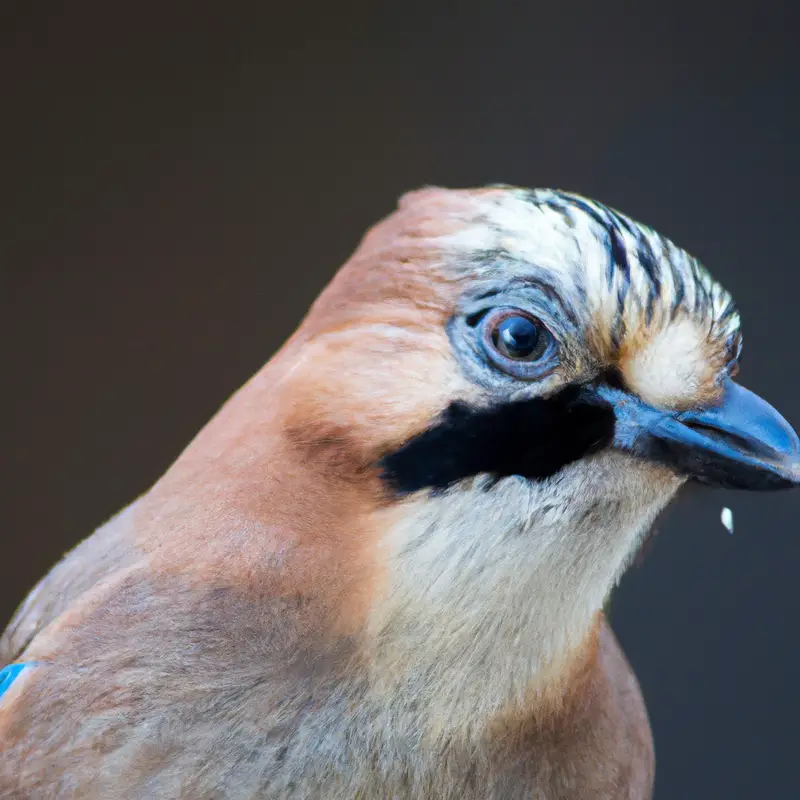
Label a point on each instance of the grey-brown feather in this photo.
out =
(94, 559)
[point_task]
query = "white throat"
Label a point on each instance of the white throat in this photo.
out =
(492, 588)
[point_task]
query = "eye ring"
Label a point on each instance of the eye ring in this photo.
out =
(517, 342)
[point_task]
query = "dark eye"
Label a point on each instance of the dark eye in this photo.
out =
(516, 337)
(517, 342)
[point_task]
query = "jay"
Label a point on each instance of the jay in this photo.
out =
(379, 571)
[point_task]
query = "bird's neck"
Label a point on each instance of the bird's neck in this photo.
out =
(493, 597)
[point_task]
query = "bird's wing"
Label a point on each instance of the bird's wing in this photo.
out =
(145, 681)
(80, 569)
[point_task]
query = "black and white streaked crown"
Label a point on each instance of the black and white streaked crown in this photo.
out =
(598, 261)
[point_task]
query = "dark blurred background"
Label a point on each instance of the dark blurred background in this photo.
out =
(177, 186)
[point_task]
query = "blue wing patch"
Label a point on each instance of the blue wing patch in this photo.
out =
(9, 674)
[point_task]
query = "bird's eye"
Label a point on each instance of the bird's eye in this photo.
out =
(516, 341)
(516, 337)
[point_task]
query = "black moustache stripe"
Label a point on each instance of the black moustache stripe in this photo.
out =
(532, 438)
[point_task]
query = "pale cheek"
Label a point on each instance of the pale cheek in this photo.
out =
(672, 369)
(632, 484)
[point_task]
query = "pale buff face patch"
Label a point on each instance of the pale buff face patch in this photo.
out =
(675, 367)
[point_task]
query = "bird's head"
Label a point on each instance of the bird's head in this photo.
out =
(509, 385)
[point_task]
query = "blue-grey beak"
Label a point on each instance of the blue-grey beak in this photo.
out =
(742, 442)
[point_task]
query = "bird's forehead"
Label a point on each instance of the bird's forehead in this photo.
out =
(584, 247)
(527, 232)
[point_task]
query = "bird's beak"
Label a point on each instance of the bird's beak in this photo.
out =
(742, 442)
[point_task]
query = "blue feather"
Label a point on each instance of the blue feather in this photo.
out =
(9, 674)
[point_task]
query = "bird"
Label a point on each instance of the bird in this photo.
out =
(380, 570)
